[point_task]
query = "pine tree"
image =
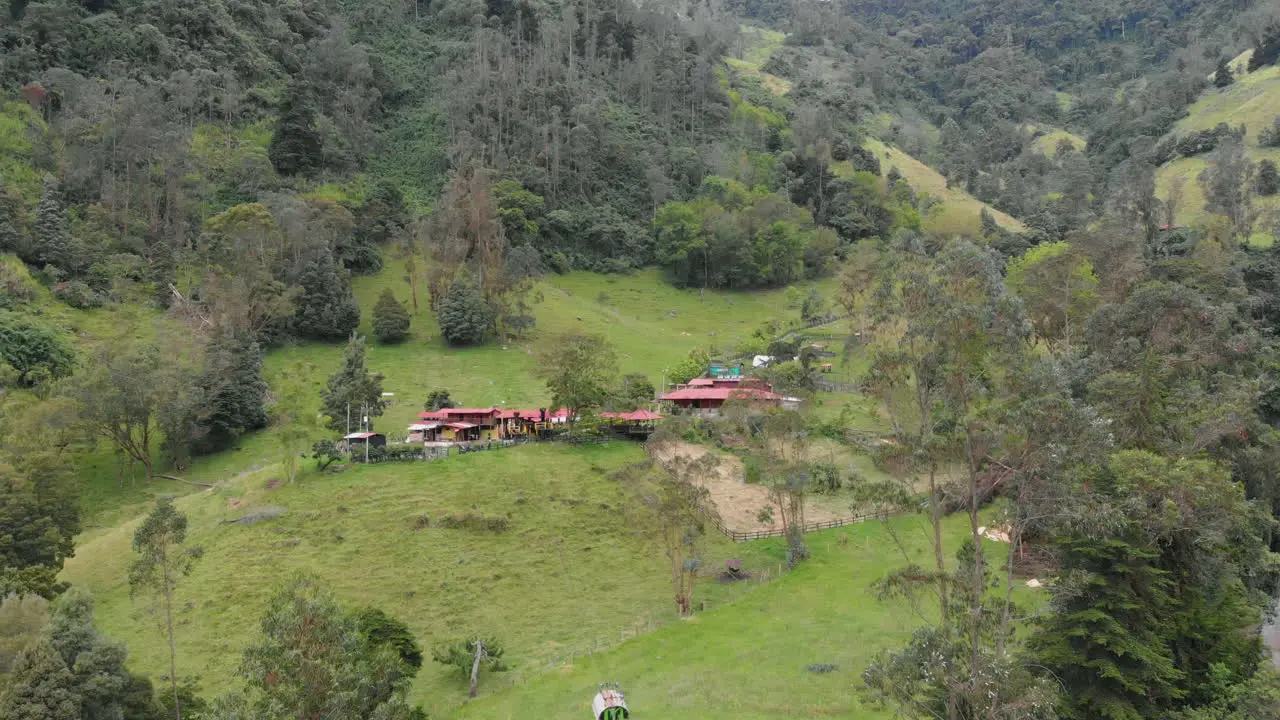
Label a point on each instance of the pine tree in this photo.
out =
(50, 238)
(463, 314)
(988, 221)
(40, 687)
(1268, 181)
(327, 309)
(1223, 77)
(161, 267)
(352, 391)
(1107, 644)
(11, 212)
(390, 318)
(233, 392)
(296, 145)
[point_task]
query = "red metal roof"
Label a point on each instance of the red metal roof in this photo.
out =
(470, 411)
(459, 425)
(360, 436)
(522, 414)
(720, 393)
(432, 415)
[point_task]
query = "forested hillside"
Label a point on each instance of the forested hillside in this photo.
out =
(1048, 226)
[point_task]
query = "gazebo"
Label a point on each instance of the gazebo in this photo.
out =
(639, 423)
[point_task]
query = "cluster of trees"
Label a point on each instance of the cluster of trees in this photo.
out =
(735, 237)
(1158, 365)
(581, 372)
(314, 657)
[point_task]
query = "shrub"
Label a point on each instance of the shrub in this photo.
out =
(78, 295)
(15, 286)
(825, 477)
(1270, 136)
(36, 351)
(474, 523)
(381, 630)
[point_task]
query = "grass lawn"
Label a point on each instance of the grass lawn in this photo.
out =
(747, 661)
(568, 577)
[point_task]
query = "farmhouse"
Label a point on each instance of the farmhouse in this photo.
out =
(706, 396)
(455, 425)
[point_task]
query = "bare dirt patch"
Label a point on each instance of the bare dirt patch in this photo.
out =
(737, 501)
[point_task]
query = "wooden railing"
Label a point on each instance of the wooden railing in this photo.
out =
(741, 536)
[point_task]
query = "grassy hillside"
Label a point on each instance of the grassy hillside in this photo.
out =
(651, 324)
(568, 576)
(960, 210)
(1253, 101)
(1047, 142)
(757, 45)
(748, 661)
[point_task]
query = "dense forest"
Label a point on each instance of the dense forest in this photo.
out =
(1105, 373)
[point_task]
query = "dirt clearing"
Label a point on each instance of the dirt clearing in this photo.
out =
(737, 501)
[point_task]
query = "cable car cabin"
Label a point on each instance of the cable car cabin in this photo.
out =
(357, 441)
(610, 704)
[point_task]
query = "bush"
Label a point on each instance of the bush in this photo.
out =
(78, 295)
(390, 318)
(474, 523)
(15, 286)
(1270, 136)
(825, 477)
(382, 630)
(36, 351)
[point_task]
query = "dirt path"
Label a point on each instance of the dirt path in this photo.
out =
(737, 502)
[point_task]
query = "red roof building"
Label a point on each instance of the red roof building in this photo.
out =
(709, 400)
(633, 416)
(467, 424)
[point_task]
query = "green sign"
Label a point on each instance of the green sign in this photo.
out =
(725, 371)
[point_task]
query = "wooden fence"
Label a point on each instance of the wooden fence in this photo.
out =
(740, 536)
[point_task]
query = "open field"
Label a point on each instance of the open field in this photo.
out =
(1047, 143)
(747, 661)
(569, 575)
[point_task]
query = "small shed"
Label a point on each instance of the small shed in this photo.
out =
(423, 432)
(360, 439)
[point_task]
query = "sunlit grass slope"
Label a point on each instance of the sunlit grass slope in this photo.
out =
(1253, 101)
(569, 574)
(749, 660)
(960, 211)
